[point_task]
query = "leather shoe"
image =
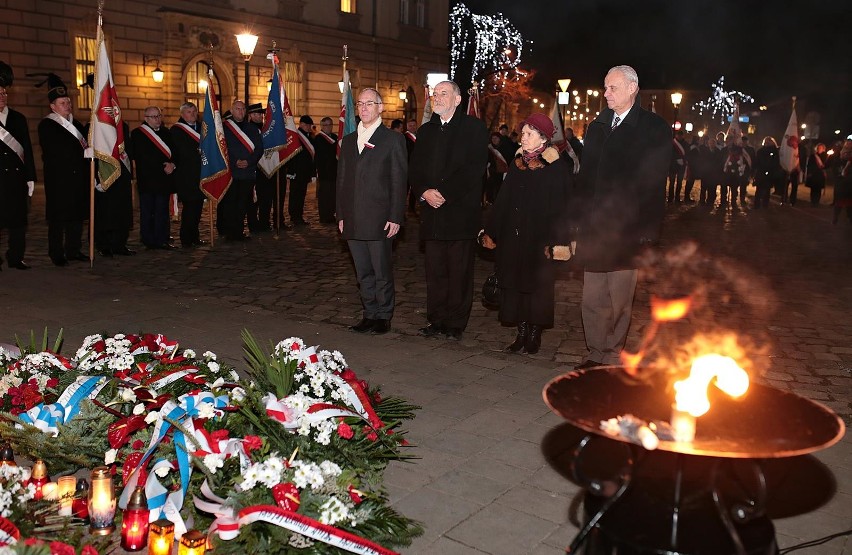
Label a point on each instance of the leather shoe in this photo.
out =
(454, 333)
(19, 265)
(60, 261)
(380, 327)
(365, 325)
(106, 253)
(78, 256)
(124, 251)
(431, 330)
(588, 364)
(201, 243)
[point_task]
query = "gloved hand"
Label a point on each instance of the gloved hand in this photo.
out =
(30, 188)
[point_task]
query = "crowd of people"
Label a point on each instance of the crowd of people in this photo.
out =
(600, 202)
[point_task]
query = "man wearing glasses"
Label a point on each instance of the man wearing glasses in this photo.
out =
(446, 175)
(17, 167)
(371, 187)
(155, 156)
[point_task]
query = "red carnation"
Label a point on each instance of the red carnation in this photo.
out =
(371, 435)
(252, 443)
(344, 430)
(88, 550)
(59, 548)
(138, 444)
(219, 435)
(52, 382)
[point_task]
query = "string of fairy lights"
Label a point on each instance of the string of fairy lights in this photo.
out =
(497, 44)
(721, 103)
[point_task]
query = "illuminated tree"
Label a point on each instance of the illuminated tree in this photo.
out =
(721, 103)
(482, 46)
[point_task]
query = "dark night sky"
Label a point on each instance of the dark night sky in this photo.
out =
(770, 49)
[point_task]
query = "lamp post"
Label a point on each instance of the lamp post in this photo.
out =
(676, 98)
(246, 42)
(563, 98)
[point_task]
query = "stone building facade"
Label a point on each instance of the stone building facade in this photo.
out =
(392, 45)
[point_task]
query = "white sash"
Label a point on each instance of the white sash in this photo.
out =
(326, 137)
(196, 136)
(306, 142)
(679, 147)
(411, 136)
(243, 138)
(158, 142)
(11, 142)
(68, 127)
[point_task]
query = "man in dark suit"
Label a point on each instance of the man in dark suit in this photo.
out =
(245, 147)
(325, 143)
(446, 175)
(301, 171)
(186, 136)
(371, 186)
(623, 184)
(155, 156)
(66, 175)
(17, 174)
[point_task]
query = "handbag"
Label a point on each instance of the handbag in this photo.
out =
(491, 292)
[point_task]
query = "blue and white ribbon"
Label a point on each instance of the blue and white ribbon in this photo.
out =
(47, 418)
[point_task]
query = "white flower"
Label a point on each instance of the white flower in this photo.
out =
(162, 471)
(238, 394)
(152, 417)
(307, 474)
(218, 383)
(250, 477)
(333, 511)
(214, 461)
(213, 366)
(189, 353)
(206, 410)
(209, 355)
(330, 469)
(127, 394)
(138, 409)
(274, 464)
(234, 376)
(109, 456)
(269, 477)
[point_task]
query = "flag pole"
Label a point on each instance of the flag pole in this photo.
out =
(212, 236)
(92, 161)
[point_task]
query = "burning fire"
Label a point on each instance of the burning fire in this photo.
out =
(667, 310)
(691, 393)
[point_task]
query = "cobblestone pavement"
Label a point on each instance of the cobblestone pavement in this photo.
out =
(779, 278)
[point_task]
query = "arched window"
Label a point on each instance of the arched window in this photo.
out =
(197, 79)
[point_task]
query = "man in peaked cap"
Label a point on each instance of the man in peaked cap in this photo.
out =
(301, 170)
(264, 187)
(66, 174)
(17, 173)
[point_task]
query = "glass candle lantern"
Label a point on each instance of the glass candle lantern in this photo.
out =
(101, 502)
(134, 521)
(161, 536)
(80, 505)
(39, 478)
(7, 456)
(192, 543)
(66, 486)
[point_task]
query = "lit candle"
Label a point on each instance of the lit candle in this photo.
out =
(683, 425)
(192, 543)
(80, 506)
(7, 456)
(134, 521)
(65, 492)
(161, 536)
(49, 491)
(39, 478)
(101, 502)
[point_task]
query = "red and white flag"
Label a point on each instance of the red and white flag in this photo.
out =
(473, 103)
(788, 152)
(558, 139)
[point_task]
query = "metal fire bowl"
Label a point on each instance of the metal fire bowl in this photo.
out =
(764, 423)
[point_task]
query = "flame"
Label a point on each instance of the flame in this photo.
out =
(667, 310)
(691, 393)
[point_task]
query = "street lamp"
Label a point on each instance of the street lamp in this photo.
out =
(676, 98)
(246, 43)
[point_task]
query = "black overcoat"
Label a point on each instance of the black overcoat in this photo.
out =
(188, 173)
(67, 173)
(114, 207)
(371, 186)
(451, 159)
(14, 173)
(151, 177)
(623, 183)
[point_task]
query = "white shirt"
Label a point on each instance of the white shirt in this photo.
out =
(4, 113)
(620, 117)
(365, 133)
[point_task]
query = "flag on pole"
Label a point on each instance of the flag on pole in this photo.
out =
(427, 108)
(106, 133)
(215, 171)
(789, 149)
(558, 140)
(473, 102)
(734, 129)
(346, 124)
(280, 138)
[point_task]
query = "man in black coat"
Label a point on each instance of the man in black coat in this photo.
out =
(446, 175)
(622, 182)
(245, 147)
(66, 176)
(114, 207)
(301, 170)
(325, 144)
(186, 137)
(17, 174)
(156, 159)
(371, 186)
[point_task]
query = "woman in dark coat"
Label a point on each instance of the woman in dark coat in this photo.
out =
(843, 183)
(529, 226)
(816, 173)
(767, 172)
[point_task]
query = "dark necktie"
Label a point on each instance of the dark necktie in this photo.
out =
(615, 122)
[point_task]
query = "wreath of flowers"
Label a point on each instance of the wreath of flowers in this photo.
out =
(286, 456)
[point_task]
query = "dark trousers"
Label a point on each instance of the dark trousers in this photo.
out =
(154, 219)
(449, 282)
(730, 184)
(375, 276)
(64, 238)
(234, 207)
(708, 191)
(17, 244)
(792, 182)
(259, 215)
(326, 200)
(687, 189)
(296, 208)
(761, 193)
(190, 219)
(675, 183)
